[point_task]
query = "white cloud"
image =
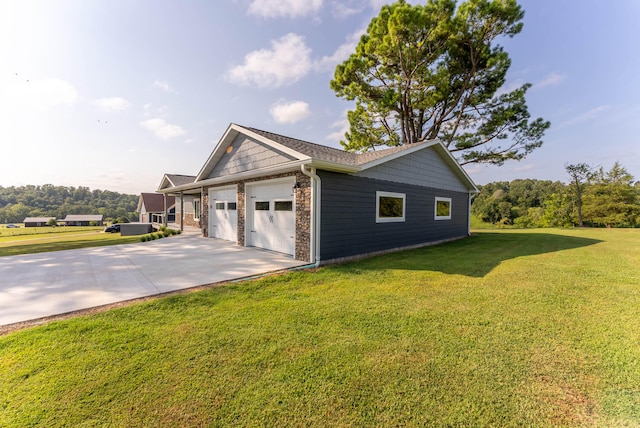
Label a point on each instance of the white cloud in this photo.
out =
(289, 111)
(284, 8)
(162, 129)
(329, 63)
(591, 115)
(552, 79)
(341, 127)
(112, 103)
(343, 9)
(284, 64)
(161, 84)
(38, 93)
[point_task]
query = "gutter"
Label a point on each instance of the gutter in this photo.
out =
(316, 188)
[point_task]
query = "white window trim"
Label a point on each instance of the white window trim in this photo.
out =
(402, 196)
(435, 208)
(196, 211)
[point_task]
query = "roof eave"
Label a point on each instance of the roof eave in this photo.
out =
(261, 172)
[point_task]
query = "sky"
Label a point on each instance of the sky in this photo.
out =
(113, 94)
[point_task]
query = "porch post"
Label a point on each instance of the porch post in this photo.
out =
(164, 218)
(181, 211)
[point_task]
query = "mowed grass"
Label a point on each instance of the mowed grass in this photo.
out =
(29, 240)
(508, 328)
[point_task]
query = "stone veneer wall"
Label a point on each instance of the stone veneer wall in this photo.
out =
(189, 220)
(302, 197)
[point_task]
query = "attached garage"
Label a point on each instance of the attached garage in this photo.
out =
(223, 213)
(322, 204)
(271, 215)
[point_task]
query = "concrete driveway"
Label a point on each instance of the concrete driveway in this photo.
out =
(40, 285)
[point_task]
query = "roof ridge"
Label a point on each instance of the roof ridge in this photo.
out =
(297, 139)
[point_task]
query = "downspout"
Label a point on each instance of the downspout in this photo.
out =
(316, 187)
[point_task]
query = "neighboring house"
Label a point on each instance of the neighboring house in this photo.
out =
(37, 221)
(187, 204)
(151, 208)
(322, 204)
(83, 220)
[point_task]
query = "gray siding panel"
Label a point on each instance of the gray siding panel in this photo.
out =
(247, 154)
(422, 168)
(348, 216)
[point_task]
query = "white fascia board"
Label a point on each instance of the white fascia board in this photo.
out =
(333, 166)
(454, 162)
(226, 139)
(261, 172)
(165, 179)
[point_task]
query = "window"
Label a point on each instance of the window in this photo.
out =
(232, 206)
(443, 208)
(196, 209)
(219, 205)
(390, 207)
(262, 206)
(283, 206)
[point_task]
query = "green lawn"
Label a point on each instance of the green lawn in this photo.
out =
(27, 240)
(509, 328)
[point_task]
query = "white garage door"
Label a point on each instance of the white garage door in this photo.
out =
(271, 215)
(223, 214)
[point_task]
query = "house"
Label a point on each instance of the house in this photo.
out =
(151, 208)
(83, 220)
(322, 204)
(187, 205)
(37, 221)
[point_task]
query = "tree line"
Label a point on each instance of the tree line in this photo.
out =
(48, 200)
(592, 197)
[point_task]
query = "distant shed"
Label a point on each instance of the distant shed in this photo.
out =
(83, 220)
(37, 221)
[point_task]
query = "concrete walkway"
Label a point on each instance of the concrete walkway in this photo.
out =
(39, 285)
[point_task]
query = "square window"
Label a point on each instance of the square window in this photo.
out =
(283, 206)
(390, 207)
(443, 208)
(219, 205)
(262, 206)
(232, 206)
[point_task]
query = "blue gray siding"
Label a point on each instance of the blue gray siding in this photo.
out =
(247, 154)
(348, 218)
(422, 168)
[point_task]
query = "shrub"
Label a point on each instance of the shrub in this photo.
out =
(152, 236)
(143, 238)
(159, 235)
(165, 233)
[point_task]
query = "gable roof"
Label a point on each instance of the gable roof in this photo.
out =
(173, 180)
(37, 219)
(154, 202)
(305, 152)
(83, 217)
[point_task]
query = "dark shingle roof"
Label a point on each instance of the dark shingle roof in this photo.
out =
(37, 219)
(154, 202)
(179, 179)
(326, 153)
